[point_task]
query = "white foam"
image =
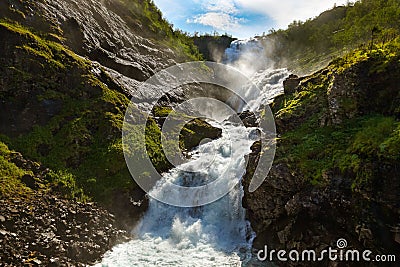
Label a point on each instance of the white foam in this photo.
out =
(216, 234)
(213, 235)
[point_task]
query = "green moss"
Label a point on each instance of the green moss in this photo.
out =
(161, 111)
(381, 55)
(350, 147)
(312, 94)
(154, 148)
(52, 52)
(196, 131)
(82, 142)
(10, 174)
(374, 132)
(355, 146)
(51, 94)
(65, 183)
(390, 147)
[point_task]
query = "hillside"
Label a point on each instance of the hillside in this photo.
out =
(307, 46)
(335, 174)
(67, 72)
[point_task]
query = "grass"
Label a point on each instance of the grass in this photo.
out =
(53, 52)
(356, 145)
(81, 144)
(349, 147)
(10, 176)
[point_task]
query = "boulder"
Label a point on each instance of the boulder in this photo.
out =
(291, 83)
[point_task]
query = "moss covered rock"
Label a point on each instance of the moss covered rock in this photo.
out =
(197, 131)
(336, 159)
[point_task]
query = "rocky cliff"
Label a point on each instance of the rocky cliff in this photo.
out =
(213, 47)
(335, 173)
(67, 72)
(38, 226)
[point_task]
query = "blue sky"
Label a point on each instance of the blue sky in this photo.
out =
(240, 18)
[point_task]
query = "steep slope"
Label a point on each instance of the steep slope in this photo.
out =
(39, 227)
(67, 72)
(129, 36)
(335, 173)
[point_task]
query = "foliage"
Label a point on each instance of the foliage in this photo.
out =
(308, 45)
(10, 174)
(356, 146)
(157, 27)
(161, 111)
(65, 183)
(82, 142)
(349, 147)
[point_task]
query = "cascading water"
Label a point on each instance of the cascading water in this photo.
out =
(216, 234)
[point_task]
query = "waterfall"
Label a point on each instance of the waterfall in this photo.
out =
(216, 234)
(249, 57)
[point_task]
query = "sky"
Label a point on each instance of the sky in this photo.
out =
(240, 18)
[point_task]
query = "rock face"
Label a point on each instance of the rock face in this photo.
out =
(196, 132)
(39, 226)
(67, 72)
(103, 31)
(213, 47)
(291, 83)
(356, 92)
(247, 118)
(125, 37)
(47, 230)
(109, 32)
(329, 179)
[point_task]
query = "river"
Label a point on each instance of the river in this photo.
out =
(216, 234)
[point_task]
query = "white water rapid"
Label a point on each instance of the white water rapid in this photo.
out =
(213, 235)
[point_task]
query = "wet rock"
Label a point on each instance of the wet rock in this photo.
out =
(291, 83)
(288, 213)
(247, 118)
(44, 233)
(197, 131)
(30, 181)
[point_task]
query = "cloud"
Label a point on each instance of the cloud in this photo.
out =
(218, 20)
(221, 6)
(285, 11)
(220, 14)
(243, 18)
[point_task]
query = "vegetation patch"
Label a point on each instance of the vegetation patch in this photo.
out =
(357, 146)
(10, 176)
